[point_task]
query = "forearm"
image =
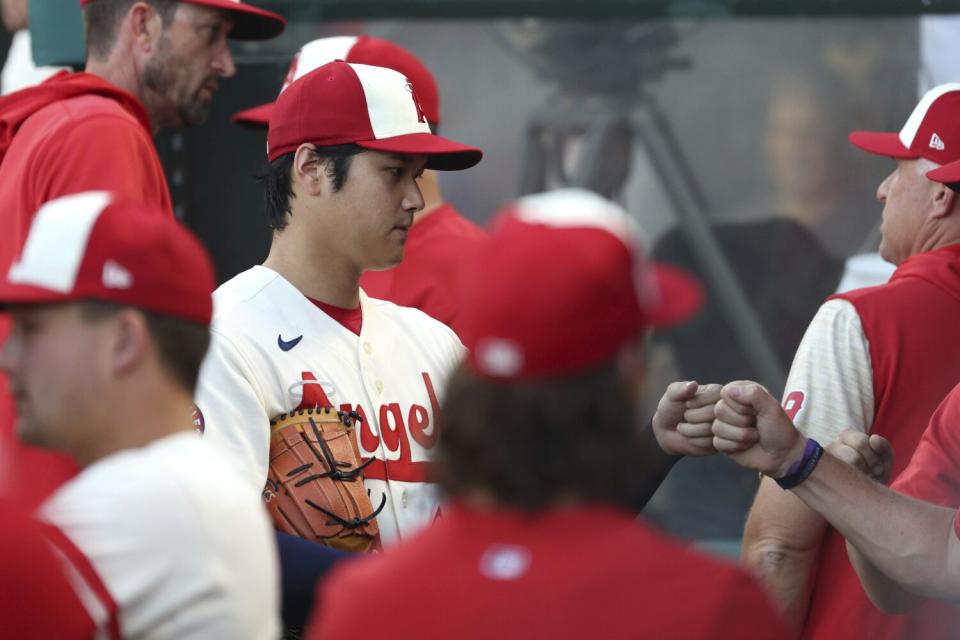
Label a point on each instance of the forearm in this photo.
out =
(905, 539)
(657, 465)
(885, 593)
(780, 546)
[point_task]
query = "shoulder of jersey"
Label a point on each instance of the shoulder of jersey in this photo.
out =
(413, 318)
(241, 290)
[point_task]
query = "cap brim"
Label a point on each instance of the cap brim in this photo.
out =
(947, 174)
(881, 143)
(681, 296)
(442, 154)
(16, 294)
(258, 117)
(249, 22)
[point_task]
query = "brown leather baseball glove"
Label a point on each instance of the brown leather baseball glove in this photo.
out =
(315, 486)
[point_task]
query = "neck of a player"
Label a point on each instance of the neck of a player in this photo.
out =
(143, 407)
(432, 197)
(320, 272)
(120, 70)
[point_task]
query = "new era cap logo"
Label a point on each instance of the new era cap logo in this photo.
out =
(115, 276)
(936, 143)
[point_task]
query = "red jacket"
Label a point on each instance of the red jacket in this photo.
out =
(75, 132)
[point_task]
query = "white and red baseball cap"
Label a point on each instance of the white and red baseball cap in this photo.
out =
(932, 132)
(560, 285)
(361, 50)
(94, 246)
(249, 22)
(373, 107)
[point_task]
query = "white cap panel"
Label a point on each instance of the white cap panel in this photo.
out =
(57, 242)
(391, 106)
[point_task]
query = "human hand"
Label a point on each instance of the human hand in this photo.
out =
(682, 423)
(752, 430)
(871, 454)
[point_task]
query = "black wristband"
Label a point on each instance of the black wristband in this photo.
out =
(801, 470)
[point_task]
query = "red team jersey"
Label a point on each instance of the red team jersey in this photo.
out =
(427, 277)
(75, 132)
(908, 322)
(587, 572)
(933, 473)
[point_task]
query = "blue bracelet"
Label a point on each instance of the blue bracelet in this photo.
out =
(802, 468)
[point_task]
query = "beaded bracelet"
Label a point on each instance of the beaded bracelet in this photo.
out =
(802, 468)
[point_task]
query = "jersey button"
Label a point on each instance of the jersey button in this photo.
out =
(367, 348)
(403, 498)
(379, 386)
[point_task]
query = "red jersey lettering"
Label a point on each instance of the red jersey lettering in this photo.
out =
(793, 404)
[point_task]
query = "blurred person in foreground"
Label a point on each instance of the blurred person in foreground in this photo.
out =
(111, 310)
(543, 461)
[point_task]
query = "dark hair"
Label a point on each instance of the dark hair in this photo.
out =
(953, 186)
(102, 18)
(278, 186)
(181, 344)
(530, 444)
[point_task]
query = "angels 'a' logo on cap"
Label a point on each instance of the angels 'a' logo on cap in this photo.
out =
(937, 143)
(421, 116)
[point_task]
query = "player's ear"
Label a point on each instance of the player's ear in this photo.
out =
(944, 199)
(130, 341)
(308, 170)
(144, 25)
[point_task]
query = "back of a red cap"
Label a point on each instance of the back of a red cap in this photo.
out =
(375, 52)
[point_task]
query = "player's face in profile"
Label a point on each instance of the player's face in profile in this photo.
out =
(190, 58)
(905, 195)
(376, 206)
(51, 359)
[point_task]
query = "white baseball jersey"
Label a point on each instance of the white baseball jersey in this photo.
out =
(172, 532)
(830, 386)
(273, 351)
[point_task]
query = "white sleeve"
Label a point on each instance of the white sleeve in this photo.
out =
(175, 566)
(830, 386)
(234, 417)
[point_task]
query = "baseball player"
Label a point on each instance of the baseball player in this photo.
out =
(539, 456)
(110, 308)
(151, 64)
(873, 359)
(903, 549)
(346, 145)
(440, 237)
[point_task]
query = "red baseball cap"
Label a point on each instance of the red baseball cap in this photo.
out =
(249, 22)
(373, 107)
(361, 50)
(560, 285)
(94, 246)
(932, 132)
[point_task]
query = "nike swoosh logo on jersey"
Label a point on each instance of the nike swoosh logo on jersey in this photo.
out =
(286, 345)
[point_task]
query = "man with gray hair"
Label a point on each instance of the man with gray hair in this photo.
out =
(874, 360)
